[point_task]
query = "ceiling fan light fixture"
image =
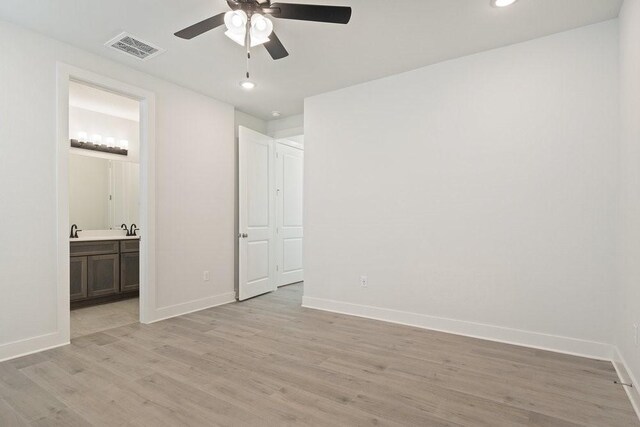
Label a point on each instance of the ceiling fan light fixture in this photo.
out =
(261, 29)
(502, 3)
(236, 23)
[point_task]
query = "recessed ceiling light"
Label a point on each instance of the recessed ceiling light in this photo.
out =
(247, 84)
(276, 113)
(502, 3)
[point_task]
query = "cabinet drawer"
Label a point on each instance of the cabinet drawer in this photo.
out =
(93, 248)
(130, 246)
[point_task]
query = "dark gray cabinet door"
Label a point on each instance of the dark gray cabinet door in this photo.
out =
(104, 275)
(78, 278)
(129, 271)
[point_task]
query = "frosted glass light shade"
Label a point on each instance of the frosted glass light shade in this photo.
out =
(236, 23)
(261, 29)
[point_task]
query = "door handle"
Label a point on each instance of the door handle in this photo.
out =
(243, 235)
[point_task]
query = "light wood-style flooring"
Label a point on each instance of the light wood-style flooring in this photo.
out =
(269, 362)
(89, 320)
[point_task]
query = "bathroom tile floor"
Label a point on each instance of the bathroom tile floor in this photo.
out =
(89, 320)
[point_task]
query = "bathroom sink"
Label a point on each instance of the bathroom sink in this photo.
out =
(94, 235)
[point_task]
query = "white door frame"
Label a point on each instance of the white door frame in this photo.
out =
(65, 74)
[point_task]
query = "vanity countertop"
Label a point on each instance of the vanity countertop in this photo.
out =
(100, 238)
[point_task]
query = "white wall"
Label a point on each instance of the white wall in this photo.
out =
(628, 302)
(249, 121)
(481, 189)
(286, 127)
(194, 188)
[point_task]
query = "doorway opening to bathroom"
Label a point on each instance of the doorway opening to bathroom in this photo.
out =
(104, 177)
(105, 203)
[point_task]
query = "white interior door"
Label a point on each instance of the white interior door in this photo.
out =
(257, 214)
(289, 231)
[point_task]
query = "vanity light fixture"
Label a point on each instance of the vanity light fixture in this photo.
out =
(95, 144)
(502, 3)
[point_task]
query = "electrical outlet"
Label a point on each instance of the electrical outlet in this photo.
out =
(364, 281)
(205, 276)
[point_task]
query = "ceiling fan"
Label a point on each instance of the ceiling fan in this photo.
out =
(247, 23)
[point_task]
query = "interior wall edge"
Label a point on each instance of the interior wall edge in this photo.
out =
(537, 340)
(27, 346)
(625, 374)
(163, 313)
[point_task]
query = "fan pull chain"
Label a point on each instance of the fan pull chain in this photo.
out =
(247, 42)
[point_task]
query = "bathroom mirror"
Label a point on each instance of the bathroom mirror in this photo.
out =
(103, 193)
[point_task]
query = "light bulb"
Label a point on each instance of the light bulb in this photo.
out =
(82, 136)
(96, 138)
(124, 144)
(502, 3)
(110, 141)
(247, 84)
(236, 20)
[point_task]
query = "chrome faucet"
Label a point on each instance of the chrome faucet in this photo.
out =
(74, 233)
(133, 230)
(125, 228)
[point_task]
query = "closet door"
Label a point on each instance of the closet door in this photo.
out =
(289, 230)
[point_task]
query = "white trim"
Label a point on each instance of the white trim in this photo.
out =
(65, 74)
(32, 345)
(192, 306)
(559, 344)
(290, 143)
(626, 376)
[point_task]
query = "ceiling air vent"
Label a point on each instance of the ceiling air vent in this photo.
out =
(133, 46)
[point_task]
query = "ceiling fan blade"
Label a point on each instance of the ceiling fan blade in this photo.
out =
(311, 12)
(201, 27)
(275, 48)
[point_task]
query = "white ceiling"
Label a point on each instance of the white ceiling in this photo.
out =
(100, 101)
(383, 38)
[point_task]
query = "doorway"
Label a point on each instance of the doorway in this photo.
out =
(104, 209)
(100, 261)
(270, 234)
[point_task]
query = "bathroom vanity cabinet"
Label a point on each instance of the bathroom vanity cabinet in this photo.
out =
(103, 271)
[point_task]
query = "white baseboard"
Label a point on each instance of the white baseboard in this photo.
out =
(626, 376)
(32, 345)
(559, 344)
(191, 306)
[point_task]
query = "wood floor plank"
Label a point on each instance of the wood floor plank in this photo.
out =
(268, 361)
